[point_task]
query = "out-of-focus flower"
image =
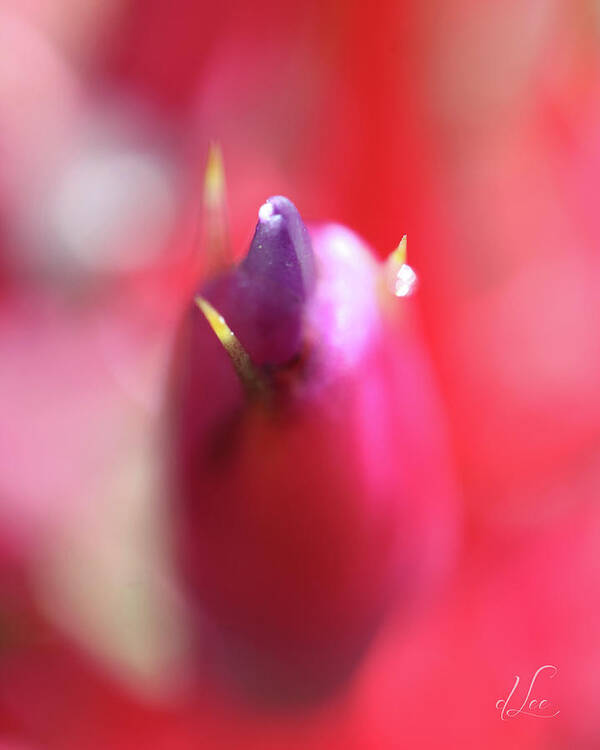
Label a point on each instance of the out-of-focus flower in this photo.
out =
(312, 484)
(510, 304)
(472, 125)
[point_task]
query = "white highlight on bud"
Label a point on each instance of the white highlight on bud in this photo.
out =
(266, 211)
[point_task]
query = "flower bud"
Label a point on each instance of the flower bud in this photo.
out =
(311, 489)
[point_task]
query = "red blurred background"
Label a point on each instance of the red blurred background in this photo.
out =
(474, 127)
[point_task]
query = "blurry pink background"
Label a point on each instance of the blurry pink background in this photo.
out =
(474, 127)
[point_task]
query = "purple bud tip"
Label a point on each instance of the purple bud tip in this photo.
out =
(281, 253)
(264, 299)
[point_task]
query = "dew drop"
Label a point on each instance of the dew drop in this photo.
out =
(400, 279)
(405, 281)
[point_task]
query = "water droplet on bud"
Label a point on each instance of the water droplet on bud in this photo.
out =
(400, 278)
(406, 281)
